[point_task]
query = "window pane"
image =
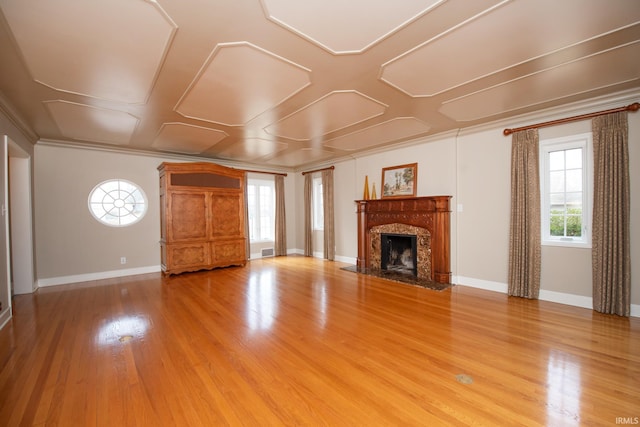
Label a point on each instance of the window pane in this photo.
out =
(111, 218)
(138, 210)
(251, 208)
(574, 180)
(556, 200)
(318, 205)
(556, 225)
(261, 208)
(97, 195)
(98, 210)
(266, 212)
(574, 158)
(574, 225)
(574, 201)
(556, 181)
(109, 186)
(127, 187)
(556, 160)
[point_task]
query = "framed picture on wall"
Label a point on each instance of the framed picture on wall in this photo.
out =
(399, 181)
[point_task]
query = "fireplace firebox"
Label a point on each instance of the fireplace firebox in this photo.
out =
(399, 253)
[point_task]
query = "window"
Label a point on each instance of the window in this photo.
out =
(261, 200)
(318, 204)
(565, 182)
(117, 203)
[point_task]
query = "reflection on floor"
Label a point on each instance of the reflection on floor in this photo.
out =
(399, 277)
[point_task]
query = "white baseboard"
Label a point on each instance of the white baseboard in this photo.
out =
(345, 259)
(348, 260)
(568, 299)
(65, 280)
(551, 296)
(481, 284)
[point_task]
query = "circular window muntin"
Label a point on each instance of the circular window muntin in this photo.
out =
(117, 203)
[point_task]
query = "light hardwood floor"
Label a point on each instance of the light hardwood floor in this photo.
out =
(297, 341)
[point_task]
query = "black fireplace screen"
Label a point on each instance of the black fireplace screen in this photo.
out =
(399, 253)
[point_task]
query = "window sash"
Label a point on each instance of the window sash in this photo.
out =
(565, 166)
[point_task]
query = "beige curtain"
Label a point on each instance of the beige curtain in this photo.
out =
(611, 214)
(327, 203)
(247, 243)
(308, 219)
(524, 233)
(281, 220)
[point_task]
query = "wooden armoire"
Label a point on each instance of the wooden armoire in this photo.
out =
(202, 211)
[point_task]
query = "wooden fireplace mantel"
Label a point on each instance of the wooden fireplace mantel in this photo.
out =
(430, 212)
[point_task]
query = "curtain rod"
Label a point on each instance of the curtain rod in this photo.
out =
(632, 107)
(319, 170)
(271, 173)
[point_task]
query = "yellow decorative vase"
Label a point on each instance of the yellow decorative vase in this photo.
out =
(373, 191)
(365, 195)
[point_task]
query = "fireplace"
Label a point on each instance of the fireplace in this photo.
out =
(398, 253)
(426, 218)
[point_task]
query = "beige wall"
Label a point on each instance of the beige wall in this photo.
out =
(473, 166)
(70, 243)
(484, 190)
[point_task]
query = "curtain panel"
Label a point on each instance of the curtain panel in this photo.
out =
(308, 219)
(247, 243)
(281, 219)
(327, 203)
(524, 232)
(611, 260)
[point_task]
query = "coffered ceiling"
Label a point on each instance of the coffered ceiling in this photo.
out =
(288, 84)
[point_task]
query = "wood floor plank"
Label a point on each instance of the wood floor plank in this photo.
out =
(298, 341)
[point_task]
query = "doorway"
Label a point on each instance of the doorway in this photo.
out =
(21, 258)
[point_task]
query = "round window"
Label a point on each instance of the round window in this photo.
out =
(117, 203)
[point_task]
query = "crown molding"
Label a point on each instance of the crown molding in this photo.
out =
(147, 153)
(16, 120)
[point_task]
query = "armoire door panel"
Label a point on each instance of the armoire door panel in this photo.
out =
(188, 255)
(189, 216)
(224, 214)
(228, 251)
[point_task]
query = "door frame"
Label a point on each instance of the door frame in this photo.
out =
(5, 264)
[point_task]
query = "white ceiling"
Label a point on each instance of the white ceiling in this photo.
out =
(288, 84)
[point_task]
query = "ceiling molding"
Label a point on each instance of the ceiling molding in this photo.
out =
(258, 92)
(14, 118)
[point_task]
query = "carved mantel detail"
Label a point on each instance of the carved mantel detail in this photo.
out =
(431, 213)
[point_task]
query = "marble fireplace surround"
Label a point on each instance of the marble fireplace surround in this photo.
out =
(423, 246)
(425, 217)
